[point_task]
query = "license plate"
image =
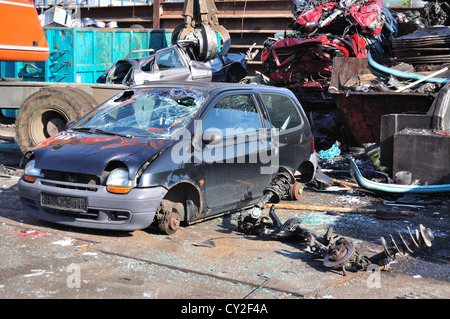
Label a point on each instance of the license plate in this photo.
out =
(76, 204)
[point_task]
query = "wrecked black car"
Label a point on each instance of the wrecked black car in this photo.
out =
(176, 63)
(168, 153)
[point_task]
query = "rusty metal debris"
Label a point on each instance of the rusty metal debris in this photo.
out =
(169, 221)
(339, 209)
(341, 253)
(278, 188)
(436, 13)
(427, 45)
(407, 244)
(336, 251)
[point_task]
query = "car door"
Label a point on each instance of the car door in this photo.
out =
(170, 66)
(234, 151)
(290, 123)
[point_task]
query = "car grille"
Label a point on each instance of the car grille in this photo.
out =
(69, 186)
(90, 214)
(76, 178)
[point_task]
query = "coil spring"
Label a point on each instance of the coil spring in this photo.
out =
(422, 237)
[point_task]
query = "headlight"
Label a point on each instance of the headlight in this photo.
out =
(118, 182)
(31, 173)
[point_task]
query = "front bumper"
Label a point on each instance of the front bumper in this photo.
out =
(135, 210)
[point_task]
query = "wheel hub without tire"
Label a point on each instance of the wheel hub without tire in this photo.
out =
(296, 191)
(170, 222)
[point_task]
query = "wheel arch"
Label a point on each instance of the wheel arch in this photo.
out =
(189, 196)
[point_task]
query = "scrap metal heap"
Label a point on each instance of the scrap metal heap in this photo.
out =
(302, 59)
(336, 251)
(437, 13)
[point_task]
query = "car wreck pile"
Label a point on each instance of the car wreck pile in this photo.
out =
(302, 60)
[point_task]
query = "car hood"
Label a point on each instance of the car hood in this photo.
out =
(89, 154)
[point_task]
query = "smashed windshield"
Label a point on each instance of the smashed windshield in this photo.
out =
(146, 112)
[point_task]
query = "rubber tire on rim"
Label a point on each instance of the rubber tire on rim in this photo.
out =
(235, 74)
(46, 113)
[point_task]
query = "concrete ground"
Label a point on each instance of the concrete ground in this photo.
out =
(212, 259)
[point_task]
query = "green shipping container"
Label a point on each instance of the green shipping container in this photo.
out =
(81, 55)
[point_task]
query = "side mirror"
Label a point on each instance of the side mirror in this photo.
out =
(212, 137)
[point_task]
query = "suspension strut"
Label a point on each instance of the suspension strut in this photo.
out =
(255, 222)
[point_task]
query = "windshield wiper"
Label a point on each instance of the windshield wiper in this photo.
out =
(93, 130)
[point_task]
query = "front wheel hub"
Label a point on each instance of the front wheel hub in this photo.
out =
(170, 222)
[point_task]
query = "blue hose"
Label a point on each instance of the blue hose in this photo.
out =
(400, 74)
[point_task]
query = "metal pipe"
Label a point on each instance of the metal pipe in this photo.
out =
(413, 76)
(421, 80)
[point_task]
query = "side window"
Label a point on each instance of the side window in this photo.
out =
(283, 112)
(148, 66)
(233, 115)
(168, 59)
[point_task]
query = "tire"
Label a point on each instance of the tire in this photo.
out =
(235, 74)
(46, 113)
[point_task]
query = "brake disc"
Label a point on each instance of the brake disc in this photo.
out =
(340, 254)
(296, 191)
(170, 222)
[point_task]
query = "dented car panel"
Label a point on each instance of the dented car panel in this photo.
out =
(168, 153)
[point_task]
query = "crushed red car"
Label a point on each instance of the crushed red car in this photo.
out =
(302, 60)
(305, 65)
(365, 15)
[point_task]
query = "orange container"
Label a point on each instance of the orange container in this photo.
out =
(21, 34)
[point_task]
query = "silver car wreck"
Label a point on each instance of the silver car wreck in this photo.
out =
(176, 63)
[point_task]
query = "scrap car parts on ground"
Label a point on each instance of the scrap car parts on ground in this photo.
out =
(337, 251)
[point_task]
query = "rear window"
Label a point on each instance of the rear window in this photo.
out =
(282, 111)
